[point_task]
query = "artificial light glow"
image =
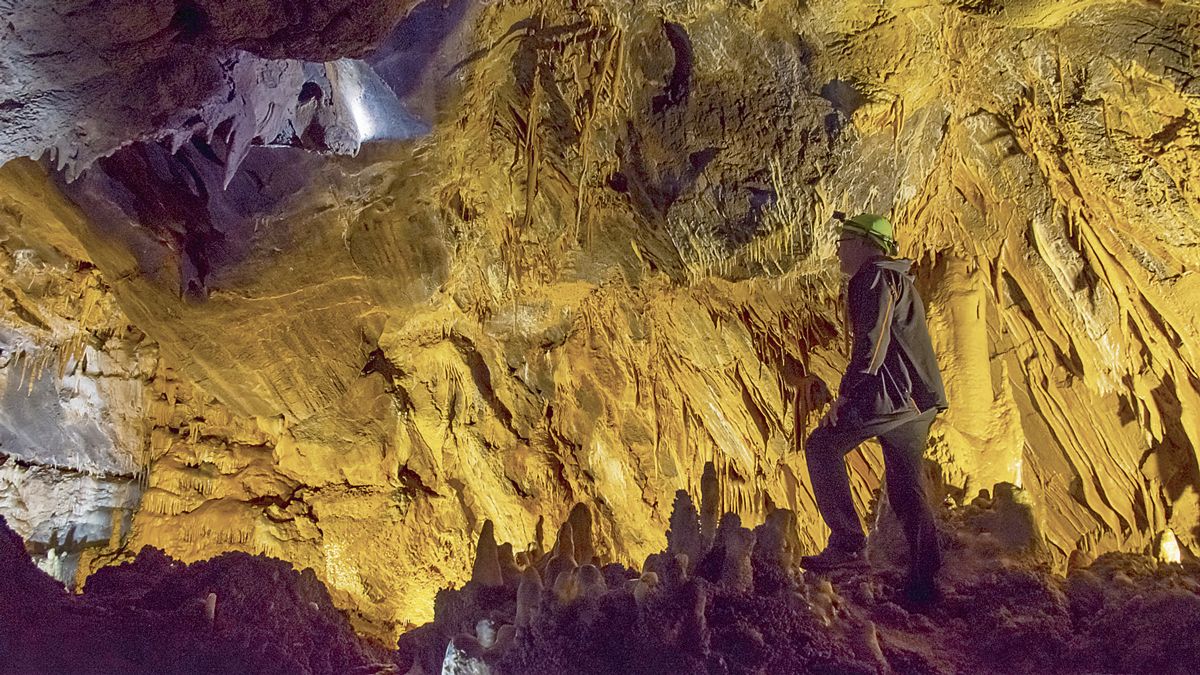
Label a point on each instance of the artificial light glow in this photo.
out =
(362, 117)
(1168, 548)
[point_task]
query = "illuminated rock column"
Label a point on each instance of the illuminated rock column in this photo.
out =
(979, 441)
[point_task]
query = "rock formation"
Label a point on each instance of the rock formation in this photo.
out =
(747, 608)
(744, 608)
(597, 261)
(84, 79)
(235, 613)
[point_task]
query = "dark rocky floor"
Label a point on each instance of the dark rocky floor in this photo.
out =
(720, 599)
(152, 616)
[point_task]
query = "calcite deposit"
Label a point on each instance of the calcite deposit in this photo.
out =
(732, 601)
(568, 253)
(719, 598)
(82, 79)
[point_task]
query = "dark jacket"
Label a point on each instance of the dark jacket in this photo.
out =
(892, 365)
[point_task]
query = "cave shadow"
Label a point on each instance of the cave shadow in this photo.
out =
(171, 212)
(1174, 455)
(656, 183)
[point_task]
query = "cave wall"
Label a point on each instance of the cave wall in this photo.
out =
(74, 375)
(83, 79)
(608, 263)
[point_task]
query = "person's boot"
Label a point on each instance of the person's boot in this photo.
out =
(921, 588)
(835, 557)
(921, 591)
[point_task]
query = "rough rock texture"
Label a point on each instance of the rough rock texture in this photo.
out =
(738, 606)
(607, 264)
(83, 78)
(741, 606)
(74, 377)
(235, 613)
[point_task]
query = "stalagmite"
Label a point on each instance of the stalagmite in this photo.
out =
(580, 520)
(1168, 548)
(729, 524)
(485, 633)
(509, 570)
(591, 582)
(563, 557)
(671, 570)
(210, 608)
(1014, 522)
(695, 627)
(565, 544)
(771, 538)
(1078, 559)
(683, 538)
(506, 637)
(529, 597)
(486, 570)
(566, 586)
(654, 562)
(710, 504)
(640, 590)
(539, 538)
(869, 636)
(737, 573)
(822, 599)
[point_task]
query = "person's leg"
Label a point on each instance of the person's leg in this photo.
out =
(903, 448)
(825, 451)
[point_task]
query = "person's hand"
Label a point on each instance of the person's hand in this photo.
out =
(831, 416)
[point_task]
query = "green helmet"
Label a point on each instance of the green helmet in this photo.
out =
(876, 229)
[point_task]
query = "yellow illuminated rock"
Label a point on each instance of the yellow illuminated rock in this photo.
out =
(608, 264)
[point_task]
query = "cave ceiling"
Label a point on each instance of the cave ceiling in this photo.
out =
(339, 281)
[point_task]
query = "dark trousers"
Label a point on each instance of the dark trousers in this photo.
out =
(903, 438)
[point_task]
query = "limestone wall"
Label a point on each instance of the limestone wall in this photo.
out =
(609, 262)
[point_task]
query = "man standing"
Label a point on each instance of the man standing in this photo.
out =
(892, 390)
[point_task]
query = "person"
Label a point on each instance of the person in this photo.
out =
(892, 389)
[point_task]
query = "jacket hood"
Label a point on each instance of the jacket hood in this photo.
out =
(901, 265)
